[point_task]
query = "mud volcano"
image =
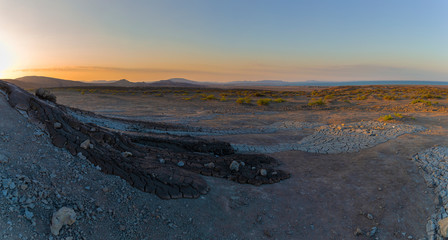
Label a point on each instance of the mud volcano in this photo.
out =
(167, 165)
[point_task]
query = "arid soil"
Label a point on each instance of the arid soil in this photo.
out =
(376, 191)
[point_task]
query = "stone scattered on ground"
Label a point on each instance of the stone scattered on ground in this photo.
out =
(344, 138)
(433, 163)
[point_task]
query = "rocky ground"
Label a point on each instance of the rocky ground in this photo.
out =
(371, 192)
(433, 163)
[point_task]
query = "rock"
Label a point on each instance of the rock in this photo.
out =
(81, 156)
(126, 154)
(122, 227)
(443, 225)
(45, 94)
(358, 232)
(180, 164)
(64, 216)
(430, 227)
(369, 216)
(57, 125)
(3, 158)
(234, 166)
(29, 215)
(162, 161)
(85, 144)
(209, 165)
(263, 172)
(373, 231)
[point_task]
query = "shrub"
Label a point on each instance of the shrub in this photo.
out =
(244, 100)
(419, 100)
(361, 97)
(187, 99)
(389, 97)
(223, 99)
(331, 96)
(386, 118)
(398, 115)
(428, 96)
(318, 102)
(279, 100)
(209, 97)
(263, 101)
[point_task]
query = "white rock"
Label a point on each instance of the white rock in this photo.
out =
(85, 144)
(64, 216)
(234, 166)
(57, 125)
(126, 154)
(263, 172)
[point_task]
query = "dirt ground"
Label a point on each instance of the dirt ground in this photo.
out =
(328, 196)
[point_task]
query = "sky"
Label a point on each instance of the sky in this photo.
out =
(220, 41)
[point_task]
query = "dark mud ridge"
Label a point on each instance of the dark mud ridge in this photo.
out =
(167, 165)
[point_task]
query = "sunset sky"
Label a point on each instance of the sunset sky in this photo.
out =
(217, 40)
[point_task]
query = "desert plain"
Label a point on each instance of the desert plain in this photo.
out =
(364, 162)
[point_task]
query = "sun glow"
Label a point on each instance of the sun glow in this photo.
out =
(5, 59)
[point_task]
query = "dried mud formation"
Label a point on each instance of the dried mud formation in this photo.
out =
(345, 138)
(169, 166)
(433, 164)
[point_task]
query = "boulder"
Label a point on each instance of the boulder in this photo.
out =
(64, 216)
(443, 226)
(45, 94)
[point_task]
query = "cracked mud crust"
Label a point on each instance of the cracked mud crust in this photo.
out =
(169, 166)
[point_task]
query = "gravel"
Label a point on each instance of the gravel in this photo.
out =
(433, 163)
(345, 138)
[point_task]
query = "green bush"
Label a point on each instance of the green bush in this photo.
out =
(419, 100)
(398, 115)
(279, 100)
(361, 97)
(327, 97)
(209, 97)
(244, 100)
(386, 118)
(318, 102)
(263, 101)
(389, 97)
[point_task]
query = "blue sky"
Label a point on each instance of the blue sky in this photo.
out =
(225, 40)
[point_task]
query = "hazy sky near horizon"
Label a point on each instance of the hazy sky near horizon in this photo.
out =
(213, 40)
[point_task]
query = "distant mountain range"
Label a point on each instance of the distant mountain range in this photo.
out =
(33, 82)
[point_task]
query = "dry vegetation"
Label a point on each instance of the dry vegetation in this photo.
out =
(376, 98)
